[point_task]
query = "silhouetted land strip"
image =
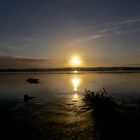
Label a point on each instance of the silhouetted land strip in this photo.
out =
(112, 121)
(102, 69)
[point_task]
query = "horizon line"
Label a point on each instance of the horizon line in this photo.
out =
(71, 69)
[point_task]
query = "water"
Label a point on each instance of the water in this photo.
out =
(58, 111)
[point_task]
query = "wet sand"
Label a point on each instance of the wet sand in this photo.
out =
(41, 121)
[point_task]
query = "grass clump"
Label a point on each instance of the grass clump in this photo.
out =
(111, 120)
(100, 101)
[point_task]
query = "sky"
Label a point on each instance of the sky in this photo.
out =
(47, 33)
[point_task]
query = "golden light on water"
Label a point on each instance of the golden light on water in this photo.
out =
(76, 83)
(75, 96)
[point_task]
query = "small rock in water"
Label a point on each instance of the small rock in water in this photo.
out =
(32, 81)
(27, 98)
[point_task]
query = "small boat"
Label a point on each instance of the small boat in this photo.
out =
(32, 81)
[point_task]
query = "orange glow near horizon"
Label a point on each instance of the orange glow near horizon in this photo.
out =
(75, 61)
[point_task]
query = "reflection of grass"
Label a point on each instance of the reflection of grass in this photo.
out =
(112, 121)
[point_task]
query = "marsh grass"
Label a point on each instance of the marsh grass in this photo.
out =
(100, 100)
(111, 120)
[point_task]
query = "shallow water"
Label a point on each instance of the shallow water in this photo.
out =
(58, 111)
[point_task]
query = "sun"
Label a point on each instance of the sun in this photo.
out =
(75, 60)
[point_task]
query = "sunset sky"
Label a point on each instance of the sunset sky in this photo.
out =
(47, 33)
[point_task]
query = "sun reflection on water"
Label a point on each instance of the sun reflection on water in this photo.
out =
(75, 71)
(75, 96)
(76, 83)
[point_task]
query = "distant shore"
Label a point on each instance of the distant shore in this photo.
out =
(100, 69)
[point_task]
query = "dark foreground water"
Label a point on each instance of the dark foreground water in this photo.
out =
(58, 112)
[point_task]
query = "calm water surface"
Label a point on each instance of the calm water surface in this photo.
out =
(13, 86)
(58, 111)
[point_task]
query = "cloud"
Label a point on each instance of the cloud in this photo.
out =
(110, 25)
(1, 53)
(19, 44)
(129, 21)
(88, 38)
(10, 46)
(85, 28)
(108, 29)
(60, 3)
(22, 62)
